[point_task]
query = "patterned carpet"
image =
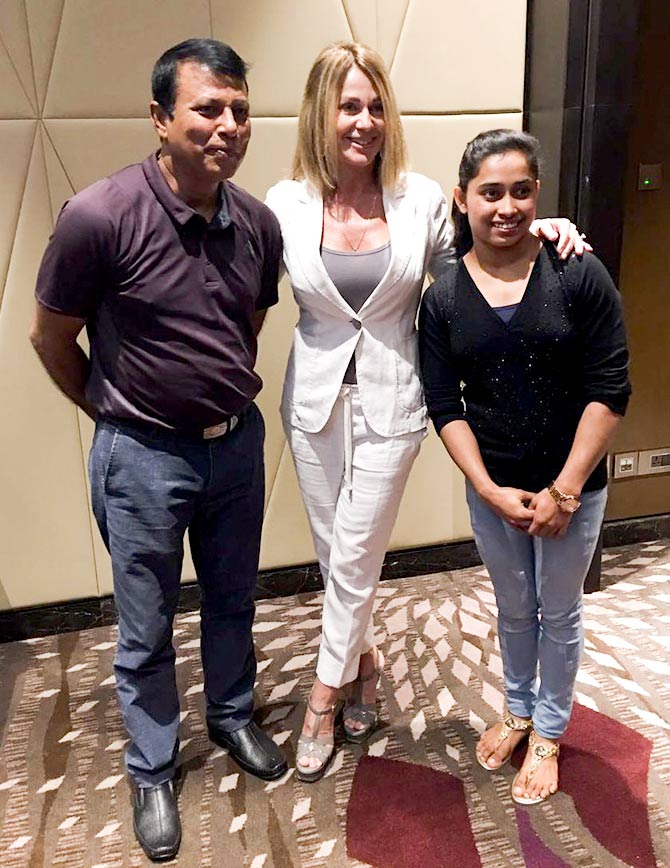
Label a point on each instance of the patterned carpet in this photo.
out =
(414, 797)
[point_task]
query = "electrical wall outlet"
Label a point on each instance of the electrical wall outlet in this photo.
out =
(624, 464)
(654, 461)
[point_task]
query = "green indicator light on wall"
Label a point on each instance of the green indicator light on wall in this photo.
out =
(650, 176)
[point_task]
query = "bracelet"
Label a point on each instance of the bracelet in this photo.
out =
(566, 502)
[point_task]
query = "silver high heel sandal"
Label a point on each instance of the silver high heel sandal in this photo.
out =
(321, 747)
(357, 710)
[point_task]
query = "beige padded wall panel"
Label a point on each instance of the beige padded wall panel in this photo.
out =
(46, 551)
(89, 149)
(280, 40)
(286, 536)
(43, 18)
(106, 49)
(16, 141)
(14, 100)
(15, 41)
(461, 57)
(433, 508)
(60, 186)
(391, 17)
(362, 17)
(436, 143)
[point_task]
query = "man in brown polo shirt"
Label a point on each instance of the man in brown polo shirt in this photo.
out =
(171, 268)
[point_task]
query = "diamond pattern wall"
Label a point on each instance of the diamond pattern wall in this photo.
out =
(73, 107)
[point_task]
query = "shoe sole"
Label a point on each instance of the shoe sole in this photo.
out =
(249, 769)
(317, 774)
(356, 738)
(157, 857)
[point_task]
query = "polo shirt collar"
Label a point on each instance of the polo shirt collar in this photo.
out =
(178, 210)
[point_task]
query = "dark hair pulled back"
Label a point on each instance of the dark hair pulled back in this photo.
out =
(482, 146)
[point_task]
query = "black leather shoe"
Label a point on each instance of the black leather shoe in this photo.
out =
(156, 820)
(252, 750)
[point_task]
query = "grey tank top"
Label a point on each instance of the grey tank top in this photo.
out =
(355, 276)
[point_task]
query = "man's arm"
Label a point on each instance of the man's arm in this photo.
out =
(54, 337)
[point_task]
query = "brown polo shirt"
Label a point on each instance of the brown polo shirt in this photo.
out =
(168, 298)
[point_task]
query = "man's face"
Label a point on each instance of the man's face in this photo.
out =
(208, 133)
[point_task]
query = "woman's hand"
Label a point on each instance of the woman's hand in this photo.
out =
(548, 518)
(563, 233)
(512, 505)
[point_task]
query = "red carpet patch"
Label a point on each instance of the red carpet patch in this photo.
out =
(402, 815)
(604, 768)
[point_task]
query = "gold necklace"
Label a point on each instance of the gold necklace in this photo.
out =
(342, 223)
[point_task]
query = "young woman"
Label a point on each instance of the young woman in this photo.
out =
(524, 365)
(359, 234)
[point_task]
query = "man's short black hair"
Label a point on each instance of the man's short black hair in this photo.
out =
(216, 56)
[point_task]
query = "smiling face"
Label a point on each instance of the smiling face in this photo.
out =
(206, 136)
(501, 200)
(359, 126)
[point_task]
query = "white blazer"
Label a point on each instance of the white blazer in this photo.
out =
(383, 332)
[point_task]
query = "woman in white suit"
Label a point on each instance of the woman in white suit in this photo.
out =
(360, 233)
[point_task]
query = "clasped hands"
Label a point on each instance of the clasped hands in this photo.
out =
(534, 514)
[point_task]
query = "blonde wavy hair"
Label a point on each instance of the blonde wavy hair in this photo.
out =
(316, 152)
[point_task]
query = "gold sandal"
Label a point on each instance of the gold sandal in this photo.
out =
(539, 753)
(510, 723)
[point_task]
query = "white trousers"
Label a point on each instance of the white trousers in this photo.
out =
(352, 481)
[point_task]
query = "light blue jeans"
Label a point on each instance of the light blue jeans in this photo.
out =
(538, 584)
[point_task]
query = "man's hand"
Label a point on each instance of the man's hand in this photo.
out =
(548, 518)
(54, 336)
(563, 233)
(513, 505)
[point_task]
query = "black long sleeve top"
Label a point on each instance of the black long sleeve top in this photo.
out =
(522, 386)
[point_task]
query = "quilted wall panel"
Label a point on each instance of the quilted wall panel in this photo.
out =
(73, 107)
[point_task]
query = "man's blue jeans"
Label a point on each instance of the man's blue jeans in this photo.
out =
(148, 488)
(538, 583)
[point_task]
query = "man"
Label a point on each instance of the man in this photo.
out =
(171, 269)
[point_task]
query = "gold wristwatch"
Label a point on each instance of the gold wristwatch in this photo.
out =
(567, 502)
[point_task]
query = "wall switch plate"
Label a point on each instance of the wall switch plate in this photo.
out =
(654, 461)
(624, 464)
(650, 176)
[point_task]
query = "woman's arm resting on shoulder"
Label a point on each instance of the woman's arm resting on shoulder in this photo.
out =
(595, 430)
(563, 233)
(509, 503)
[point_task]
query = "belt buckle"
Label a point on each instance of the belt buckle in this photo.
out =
(219, 430)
